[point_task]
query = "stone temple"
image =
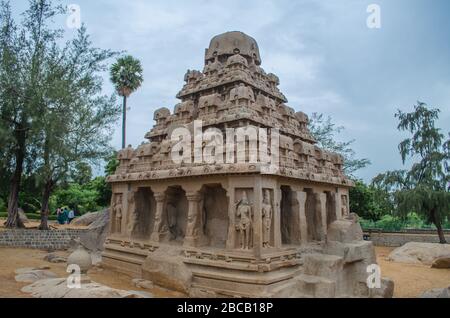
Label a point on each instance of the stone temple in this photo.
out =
(230, 227)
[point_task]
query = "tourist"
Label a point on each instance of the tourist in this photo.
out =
(60, 216)
(65, 215)
(70, 216)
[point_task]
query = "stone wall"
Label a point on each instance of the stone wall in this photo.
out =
(47, 240)
(395, 239)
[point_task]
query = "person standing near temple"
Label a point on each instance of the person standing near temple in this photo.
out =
(70, 216)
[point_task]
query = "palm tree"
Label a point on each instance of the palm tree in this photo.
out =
(126, 75)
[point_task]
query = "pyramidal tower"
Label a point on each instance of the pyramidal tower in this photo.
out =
(231, 196)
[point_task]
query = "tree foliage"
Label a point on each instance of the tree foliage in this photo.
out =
(424, 187)
(126, 75)
(324, 131)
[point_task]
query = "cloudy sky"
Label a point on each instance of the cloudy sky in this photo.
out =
(327, 59)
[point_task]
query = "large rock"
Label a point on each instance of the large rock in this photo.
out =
(86, 219)
(94, 238)
(31, 275)
(419, 253)
(441, 262)
(58, 288)
(165, 267)
(437, 293)
(345, 230)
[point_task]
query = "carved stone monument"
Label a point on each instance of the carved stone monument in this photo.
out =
(264, 217)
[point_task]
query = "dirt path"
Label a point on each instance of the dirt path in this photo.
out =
(411, 280)
(14, 258)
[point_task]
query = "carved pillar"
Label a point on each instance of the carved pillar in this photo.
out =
(321, 209)
(193, 225)
(257, 219)
(277, 218)
(160, 198)
(337, 205)
(231, 239)
(301, 198)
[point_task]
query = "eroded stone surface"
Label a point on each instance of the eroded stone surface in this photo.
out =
(58, 288)
(419, 253)
(31, 275)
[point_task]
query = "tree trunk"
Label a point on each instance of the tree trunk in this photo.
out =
(438, 224)
(44, 205)
(124, 122)
(13, 220)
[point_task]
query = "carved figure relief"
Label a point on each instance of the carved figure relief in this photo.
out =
(133, 216)
(266, 212)
(244, 226)
(344, 206)
(117, 212)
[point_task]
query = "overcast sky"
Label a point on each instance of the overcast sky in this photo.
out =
(326, 57)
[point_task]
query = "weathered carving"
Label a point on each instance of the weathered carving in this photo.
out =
(244, 213)
(117, 213)
(266, 213)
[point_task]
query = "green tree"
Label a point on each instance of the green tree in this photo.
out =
(126, 75)
(424, 187)
(369, 202)
(22, 56)
(324, 131)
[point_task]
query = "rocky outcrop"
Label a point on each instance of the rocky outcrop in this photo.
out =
(437, 293)
(31, 275)
(441, 262)
(419, 253)
(58, 288)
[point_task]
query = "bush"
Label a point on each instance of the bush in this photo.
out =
(394, 223)
(369, 202)
(31, 216)
(2, 205)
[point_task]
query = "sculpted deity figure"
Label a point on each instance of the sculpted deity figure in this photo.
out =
(266, 212)
(118, 214)
(133, 216)
(344, 208)
(244, 212)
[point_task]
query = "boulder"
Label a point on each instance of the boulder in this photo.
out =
(165, 267)
(345, 230)
(441, 262)
(31, 275)
(58, 288)
(94, 239)
(419, 253)
(437, 293)
(386, 290)
(85, 219)
(53, 258)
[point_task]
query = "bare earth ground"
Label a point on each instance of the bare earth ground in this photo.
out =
(410, 280)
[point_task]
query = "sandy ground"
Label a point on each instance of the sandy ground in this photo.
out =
(12, 259)
(410, 280)
(33, 224)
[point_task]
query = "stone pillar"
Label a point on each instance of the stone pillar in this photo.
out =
(193, 230)
(321, 209)
(160, 198)
(277, 218)
(231, 239)
(337, 205)
(257, 218)
(301, 198)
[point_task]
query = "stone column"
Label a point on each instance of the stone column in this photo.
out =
(277, 218)
(257, 218)
(321, 209)
(231, 239)
(160, 198)
(301, 198)
(193, 231)
(337, 205)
